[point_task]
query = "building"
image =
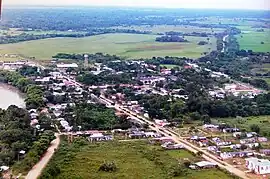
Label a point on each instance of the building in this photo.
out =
(203, 164)
(71, 65)
(258, 166)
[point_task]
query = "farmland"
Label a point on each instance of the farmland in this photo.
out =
(126, 45)
(252, 40)
(133, 160)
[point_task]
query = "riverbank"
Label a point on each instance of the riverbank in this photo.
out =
(10, 95)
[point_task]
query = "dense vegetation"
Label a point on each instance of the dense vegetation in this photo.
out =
(29, 36)
(89, 18)
(34, 94)
(35, 153)
(200, 107)
(16, 134)
(94, 116)
(171, 38)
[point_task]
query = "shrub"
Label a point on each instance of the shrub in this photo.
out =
(108, 167)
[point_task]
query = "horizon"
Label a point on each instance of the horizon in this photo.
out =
(154, 4)
(127, 7)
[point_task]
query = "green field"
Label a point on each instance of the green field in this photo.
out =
(134, 160)
(251, 40)
(167, 28)
(236, 21)
(15, 31)
(126, 45)
(244, 123)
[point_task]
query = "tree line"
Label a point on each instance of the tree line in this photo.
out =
(34, 93)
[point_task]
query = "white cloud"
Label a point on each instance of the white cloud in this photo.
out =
(228, 4)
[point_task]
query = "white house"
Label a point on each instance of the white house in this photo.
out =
(259, 166)
(71, 65)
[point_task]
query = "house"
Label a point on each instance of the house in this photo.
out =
(4, 168)
(204, 164)
(203, 143)
(265, 151)
(136, 135)
(210, 126)
(237, 134)
(251, 145)
(171, 146)
(251, 134)
(151, 134)
(231, 130)
(197, 138)
(219, 142)
(162, 122)
(258, 166)
(262, 139)
(71, 65)
(164, 139)
(33, 115)
(99, 137)
(246, 141)
(227, 155)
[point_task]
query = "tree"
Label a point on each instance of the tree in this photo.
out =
(255, 128)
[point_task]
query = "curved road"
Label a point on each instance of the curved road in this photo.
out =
(36, 171)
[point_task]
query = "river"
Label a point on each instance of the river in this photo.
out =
(9, 95)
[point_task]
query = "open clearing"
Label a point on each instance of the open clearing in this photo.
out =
(244, 123)
(126, 45)
(134, 160)
(251, 40)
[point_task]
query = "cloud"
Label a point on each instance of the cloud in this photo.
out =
(218, 4)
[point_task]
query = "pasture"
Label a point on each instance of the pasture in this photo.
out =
(133, 160)
(125, 45)
(253, 40)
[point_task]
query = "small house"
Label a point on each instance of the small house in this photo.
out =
(258, 166)
(205, 164)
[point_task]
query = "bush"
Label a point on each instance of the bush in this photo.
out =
(108, 167)
(177, 170)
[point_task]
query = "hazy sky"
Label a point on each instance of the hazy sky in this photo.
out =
(220, 4)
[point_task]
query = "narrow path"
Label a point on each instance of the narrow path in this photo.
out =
(36, 171)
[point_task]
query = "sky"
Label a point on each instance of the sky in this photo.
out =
(215, 4)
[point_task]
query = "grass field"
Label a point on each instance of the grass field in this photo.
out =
(236, 21)
(15, 31)
(262, 121)
(251, 40)
(134, 160)
(127, 45)
(167, 28)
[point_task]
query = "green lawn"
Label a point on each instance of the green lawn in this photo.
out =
(127, 45)
(251, 40)
(262, 121)
(134, 160)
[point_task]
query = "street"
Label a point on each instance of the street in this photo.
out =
(36, 171)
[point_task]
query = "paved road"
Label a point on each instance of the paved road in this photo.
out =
(189, 146)
(35, 172)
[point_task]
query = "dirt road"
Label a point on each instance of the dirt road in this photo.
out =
(35, 172)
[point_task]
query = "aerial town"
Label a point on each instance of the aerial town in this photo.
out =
(133, 92)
